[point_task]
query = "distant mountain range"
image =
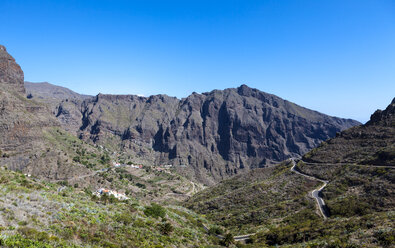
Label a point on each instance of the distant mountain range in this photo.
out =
(219, 133)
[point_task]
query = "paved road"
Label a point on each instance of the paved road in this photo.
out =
(315, 193)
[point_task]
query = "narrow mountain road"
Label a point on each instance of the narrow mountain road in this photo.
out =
(193, 190)
(316, 192)
(82, 176)
(342, 164)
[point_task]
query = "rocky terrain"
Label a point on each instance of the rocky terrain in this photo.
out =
(218, 134)
(11, 73)
(24, 128)
(275, 205)
(372, 143)
(57, 147)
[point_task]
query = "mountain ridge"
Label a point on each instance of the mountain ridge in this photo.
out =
(217, 127)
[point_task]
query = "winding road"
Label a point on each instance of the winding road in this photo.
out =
(82, 176)
(316, 192)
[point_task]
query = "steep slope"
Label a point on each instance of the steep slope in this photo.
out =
(11, 73)
(65, 104)
(47, 91)
(218, 133)
(276, 205)
(26, 129)
(39, 214)
(372, 143)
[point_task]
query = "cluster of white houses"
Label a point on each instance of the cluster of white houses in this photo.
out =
(102, 191)
(136, 166)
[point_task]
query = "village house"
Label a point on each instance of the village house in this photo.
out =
(116, 164)
(102, 191)
(138, 166)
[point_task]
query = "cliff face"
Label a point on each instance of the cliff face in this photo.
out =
(11, 74)
(24, 124)
(219, 133)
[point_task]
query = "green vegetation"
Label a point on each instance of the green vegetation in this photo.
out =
(44, 217)
(155, 211)
(251, 201)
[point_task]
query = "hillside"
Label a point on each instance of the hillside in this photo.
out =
(276, 206)
(46, 90)
(36, 213)
(26, 129)
(58, 191)
(217, 134)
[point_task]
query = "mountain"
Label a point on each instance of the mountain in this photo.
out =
(219, 133)
(275, 205)
(372, 143)
(49, 176)
(30, 136)
(65, 104)
(11, 74)
(47, 91)
(50, 183)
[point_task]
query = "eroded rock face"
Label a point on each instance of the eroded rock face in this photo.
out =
(384, 117)
(24, 129)
(218, 134)
(11, 73)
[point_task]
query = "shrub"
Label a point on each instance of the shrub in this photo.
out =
(348, 207)
(125, 218)
(228, 240)
(166, 228)
(385, 238)
(140, 185)
(155, 211)
(215, 230)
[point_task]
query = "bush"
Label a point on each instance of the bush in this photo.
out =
(166, 228)
(125, 218)
(348, 207)
(385, 238)
(32, 233)
(140, 185)
(228, 240)
(155, 211)
(215, 230)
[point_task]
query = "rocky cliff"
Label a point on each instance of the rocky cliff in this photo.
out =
(372, 143)
(217, 134)
(11, 74)
(25, 125)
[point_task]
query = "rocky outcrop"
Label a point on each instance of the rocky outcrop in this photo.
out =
(11, 74)
(25, 141)
(372, 143)
(384, 117)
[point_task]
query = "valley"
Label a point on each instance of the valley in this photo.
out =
(236, 167)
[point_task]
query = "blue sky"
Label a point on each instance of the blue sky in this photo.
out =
(334, 56)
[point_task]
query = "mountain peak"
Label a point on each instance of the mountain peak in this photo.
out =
(11, 73)
(383, 117)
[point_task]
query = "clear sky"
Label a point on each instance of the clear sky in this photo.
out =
(334, 56)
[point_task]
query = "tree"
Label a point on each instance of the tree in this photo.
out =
(228, 240)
